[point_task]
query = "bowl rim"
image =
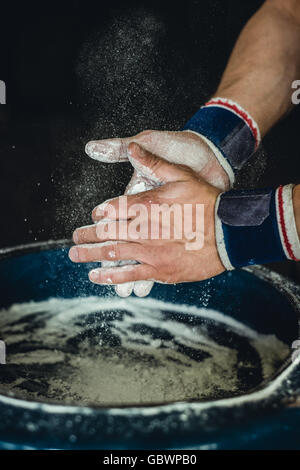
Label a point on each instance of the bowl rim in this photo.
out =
(266, 391)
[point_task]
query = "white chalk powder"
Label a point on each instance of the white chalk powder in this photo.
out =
(130, 351)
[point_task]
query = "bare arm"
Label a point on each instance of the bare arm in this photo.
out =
(264, 63)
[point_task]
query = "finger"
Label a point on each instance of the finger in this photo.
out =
(115, 150)
(119, 208)
(121, 274)
(112, 209)
(108, 251)
(85, 234)
(155, 168)
(142, 288)
(108, 150)
(124, 290)
(101, 232)
(135, 185)
(99, 211)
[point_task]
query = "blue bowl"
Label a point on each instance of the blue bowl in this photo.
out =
(255, 414)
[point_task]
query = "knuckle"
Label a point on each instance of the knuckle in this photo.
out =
(104, 252)
(111, 252)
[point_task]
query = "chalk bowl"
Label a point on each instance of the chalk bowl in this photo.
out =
(88, 369)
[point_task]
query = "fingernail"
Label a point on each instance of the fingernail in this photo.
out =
(73, 254)
(75, 237)
(89, 148)
(94, 275)
(95, 149)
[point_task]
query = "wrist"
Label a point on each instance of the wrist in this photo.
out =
(229, 130)
(256, 227)
(237, 94)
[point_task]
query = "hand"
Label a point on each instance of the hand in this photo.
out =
(177, 147)
(163, 260)
(183, 147)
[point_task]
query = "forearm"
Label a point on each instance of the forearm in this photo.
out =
(264, 63)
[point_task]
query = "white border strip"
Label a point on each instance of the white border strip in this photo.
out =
(279, 224)
(220, 238)
(289, 220)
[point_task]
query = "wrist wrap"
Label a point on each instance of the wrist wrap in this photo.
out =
(229, 130)
(256, 227)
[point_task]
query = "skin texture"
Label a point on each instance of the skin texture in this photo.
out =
(159, 259)
(264, 63)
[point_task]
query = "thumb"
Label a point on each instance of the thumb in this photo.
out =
(108, 150)
(154, 168)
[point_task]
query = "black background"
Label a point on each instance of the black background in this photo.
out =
(79, 71)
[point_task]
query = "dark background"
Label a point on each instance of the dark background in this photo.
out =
(79, 71)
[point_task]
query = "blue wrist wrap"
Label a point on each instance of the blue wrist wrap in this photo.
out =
(230, 129)
(256, 227)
